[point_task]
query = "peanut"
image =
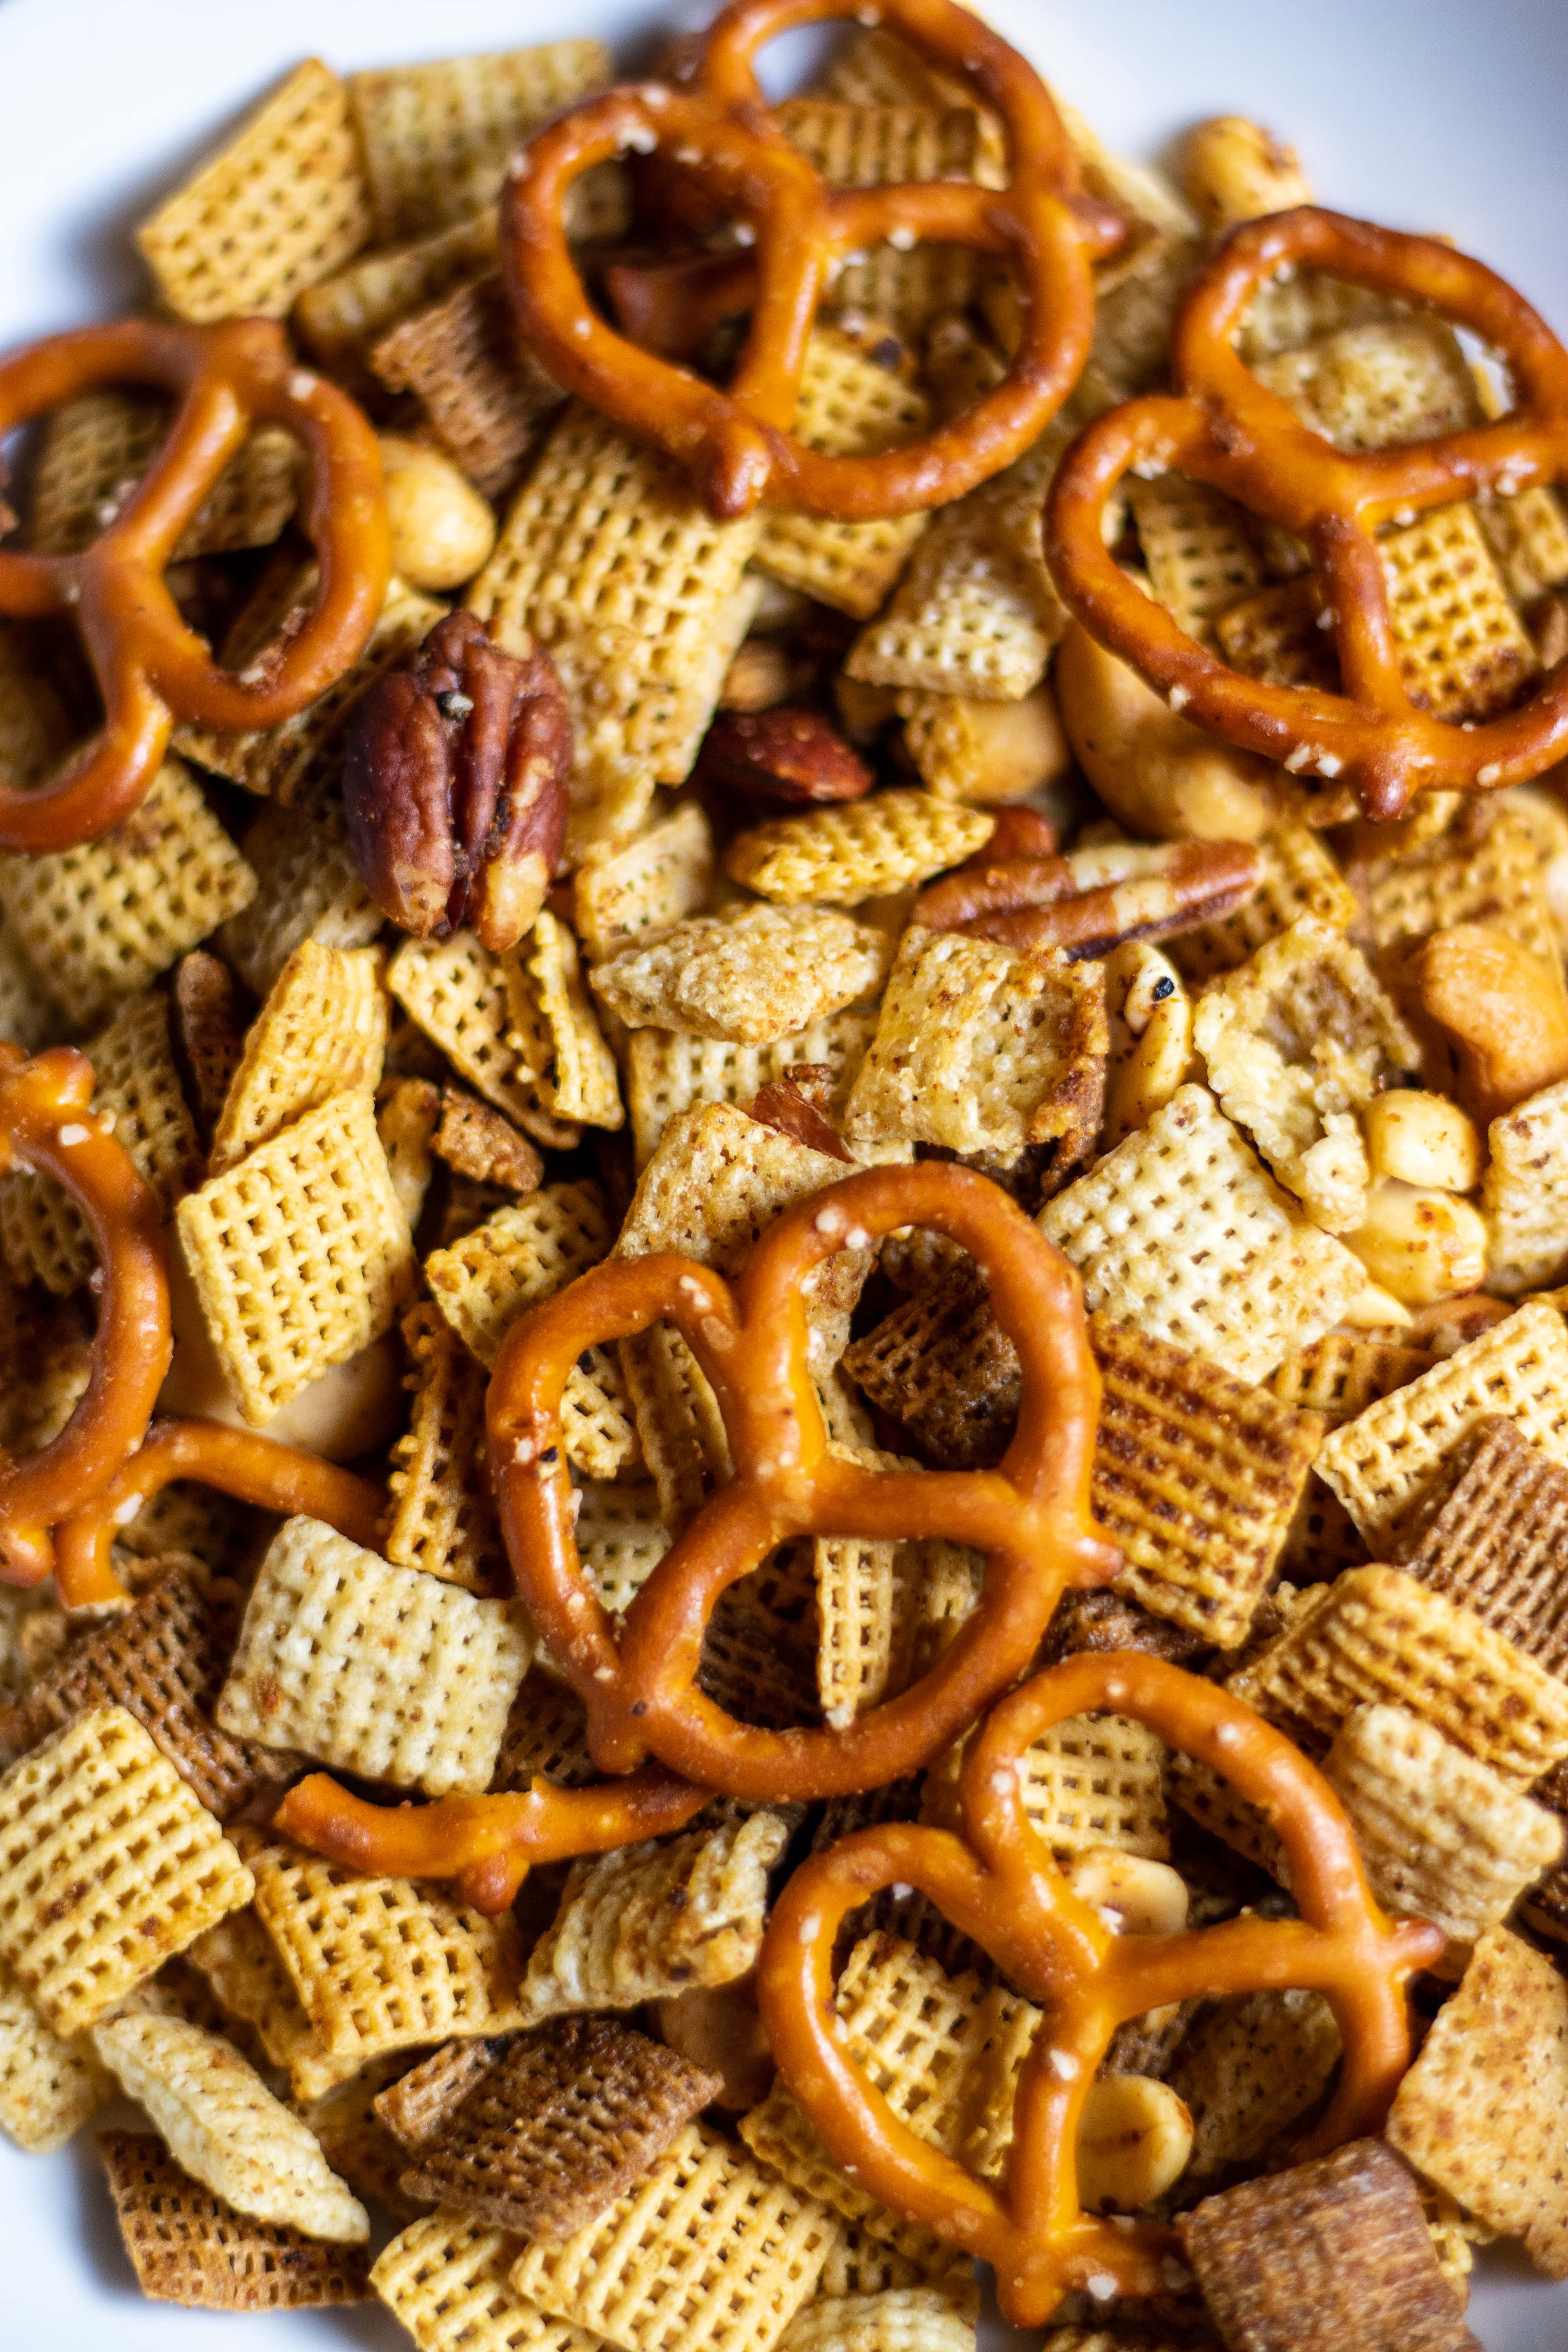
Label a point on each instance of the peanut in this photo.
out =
(1159, 774)
(1419, 1245)
(1146, 1898)
(1505, 1010)
(1151, 1017)
(1133, 2141)
(996, 751)
(1423, 1139)
(442, 530)
(1233, 169)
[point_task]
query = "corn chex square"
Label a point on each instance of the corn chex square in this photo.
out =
(95, 451)
(1464, 652)
(707, 2251)
(1485, 867)
(895, 2319)
(1371, 385)
(749, 976)
(579, 1080)
(667, 1070)
(644, 884)
(466, 1001)
(383, 1964)
(1196, 547)
(300, 1253)
(1089, 1780)
(306, 889)
(321, 1032)
(1528, 536)
(107, 1866)
(382, 1670)
(649, 1920)
(445, 2278)
(981, 1048)
(967, 617)
(49, 2087)
(1182, 1232)
(1524, 1194)
(223, 2127)
(102, 920)
(240, 1965)
(187, 2246)
(862, 849)
(1299, 878)
(1391, 1465)
(443, 1517)
(283, 203)
(1482, 2111)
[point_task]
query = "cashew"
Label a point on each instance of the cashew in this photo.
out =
(1372, 1309)
(1233, 169)
(965, 749)
(1420, 1246)
(1506, 1011)
(863, 710)
(760, 674)
(442, 531)
(1151, 1017)
(718, 2027)
(1146, 1898)
(1159, 774)
(1134, 2142)
(1423, 1139)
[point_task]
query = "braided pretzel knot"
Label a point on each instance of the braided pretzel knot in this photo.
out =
(1001, 1885)
(737, 444)
(1226, 429)
(150, 667)
(47, 1123)
(1030, 1516)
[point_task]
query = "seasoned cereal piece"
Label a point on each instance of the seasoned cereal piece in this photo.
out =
(668, 1070)
(898, 2319)
(420, 2107)
(444, 2279)
(1091, 1781)
(1299, 878)
(1373, 385)
(1247, 2068)
(1498, 1542)
(1486, 868)
(444, 1518)
(49, 2087)
(382, 1670)
(749, 976)
(865, 849)
(96, 450)
(240, 1964)
(321, 1032)
(579, 1079)
(187, 2246)
(650, 883)
(307, 889)
(339, 318)
(1524, 1194)
(1464, 652)
(1197, 549)
(466, 1000)
(482, 392)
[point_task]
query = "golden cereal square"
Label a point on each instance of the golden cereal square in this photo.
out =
(107, 1866)
(1373, 385)
(1182, 1232)
(444, 1518)
(384, 1671)
(187, 2246)
(1196, 547)
(748, 976)
(95, 451)
(321, 1032)
(463, 998)
(483, 394)
(580, 1080)
(49, 2087)
(445, 2279)
(299, 1254)
(1299, 878)
(644, 885)
(101, 921)
(283, 205)
(307, 889)
(340, 319)
(707, 2254)
(1464, 652)
(1485, 867)
(1524, 1194)
(667, 1070)
(863, 849)
(1248, 2066)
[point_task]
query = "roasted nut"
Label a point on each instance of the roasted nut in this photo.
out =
(1009, 747)
(796, 1105)
(760, 676)
(1138, 1896)
(1156, 772)
(1424, 1139)
(1134, 2142)
(1504, 1008)
(1233, 169)
(1419, 1245)
(455, 785)
(479, 1143)
(789, 755)
(442, 530)
(1095, 898)
(1151, 1017)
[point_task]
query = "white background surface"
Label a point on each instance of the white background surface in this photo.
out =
(1447, 115)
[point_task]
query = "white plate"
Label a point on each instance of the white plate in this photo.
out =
(1429, 114)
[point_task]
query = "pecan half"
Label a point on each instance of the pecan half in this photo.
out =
(455, 783)
(782, 754)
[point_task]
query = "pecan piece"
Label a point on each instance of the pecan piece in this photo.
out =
(455, 783)
(782, 754)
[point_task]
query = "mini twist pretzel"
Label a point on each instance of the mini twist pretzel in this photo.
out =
(47, 1123)
(1030, 1516)
(237, 1462)
(999, 1882)
(1226, 429)
(736, 444)
(151, 668)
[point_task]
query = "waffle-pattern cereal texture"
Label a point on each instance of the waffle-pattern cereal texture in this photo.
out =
(1496, 1543)
(36, 729)
(1524, 1194)
(482, 392)
(95, 451)
(1377, 1635)
(1482, 2111)
(1182, 1232)
(647, 1921)
(1528, 536)
(419, 2107)
(382, 1670)
(163, 1661)
(580, 1080)
(223, 2127)
(863, 2263)
(1371, 384)
(107, 1866)
(1442, 1835)
(49, 2087)
(101, 921)
(1297, 1041)
(1248, 2066)
(667, 1070)
(620, 1539)
(707, 2253)
(748, 976)
(300, 1253)
(645, 884)
(981, 1048)
(862, 849)
(1091, 1780)
(1334, 2252)
(340, 319)
(445, 2279)
(383, 1964)
(358, 2145)
(885, 1609)
(321, 1032)
(28, 1014)
(1299, 878)
(943, 1366)
(567, 2121)
(1196, 1477)
(1340, 1374)
(1485, 868)
(43, 1233)
(849, 405)
(896, 2319)
(437, 138)
(306, 889)
(1198, 552)
(1390, 1467)
(944, 2050)
(283, 205)
(241, 1966)
(467, 1002)
(610, 563)
(187, 2246)
(443, 1516)
(1464, 652)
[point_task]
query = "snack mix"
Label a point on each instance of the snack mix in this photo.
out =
(783, 1224)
